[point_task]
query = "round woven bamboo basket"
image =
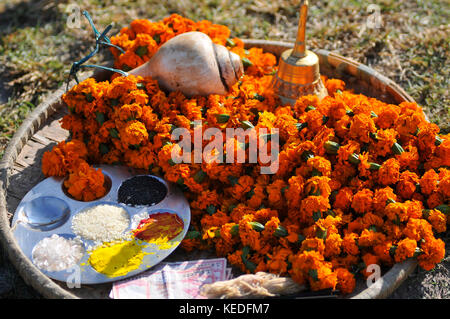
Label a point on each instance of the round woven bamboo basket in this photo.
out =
(20, 170)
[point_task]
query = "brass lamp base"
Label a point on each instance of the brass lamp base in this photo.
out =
(298, 77)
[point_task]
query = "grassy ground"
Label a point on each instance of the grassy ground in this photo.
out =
(410, 43)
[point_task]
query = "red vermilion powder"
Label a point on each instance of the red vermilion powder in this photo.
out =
(159, 226)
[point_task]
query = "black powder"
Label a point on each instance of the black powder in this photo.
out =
(141, 190)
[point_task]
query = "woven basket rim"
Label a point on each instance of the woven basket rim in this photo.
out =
(50, 289)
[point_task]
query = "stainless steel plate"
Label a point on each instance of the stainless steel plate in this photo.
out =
(47, 210)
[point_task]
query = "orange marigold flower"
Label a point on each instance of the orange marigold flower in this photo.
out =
(443, 152)
(385, 139)
(382, 251)
(344, 152)
(406, 185)
(63, 157)
(438, 220)
(242, 187)
(311, 205)
(318, 186)
(387, 117)
(85, 183)
(257, 196)
(362, 201)
(418, 229)
(344, 198)
(143, 158)
(333, 244)
(444, 183)
(426, 139)
(405, 249)
(319, 165)
(303, 102)
(433, 251)
(380, 198)
(315, 243)
(428, 182)
(361, 126)
(133, 133)
(334, 85)
(369, 238)
(277, 261)
(275, 193)
(346, 281)
(409, 159)
(350, 244)
(389, 172)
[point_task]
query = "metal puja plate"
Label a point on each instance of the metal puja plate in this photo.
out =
(46, 210)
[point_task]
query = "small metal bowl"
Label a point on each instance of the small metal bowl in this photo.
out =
(45, 213)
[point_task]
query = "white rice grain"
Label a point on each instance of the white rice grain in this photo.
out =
(101, 223)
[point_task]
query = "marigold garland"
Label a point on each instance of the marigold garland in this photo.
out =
(360, 181)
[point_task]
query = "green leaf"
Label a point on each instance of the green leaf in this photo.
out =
(114, 102)
(397, 149)
(316, 216)
(114, 133)
(233, 180)
(100, 117)
(247, 124)
(354, 159)
(211, 209)
(258, 97)
(313, 274)
(234, 231)
(230, 43)
(301, 238)
(331, 147)
(200, 176)
(193, 234)
(257, 226)
(89, 97)
(445, 209)
(321, 233)
(306, 155)
(301, 126)
(141, 51)
(157, 38)
(248, 264)
(280, 231)
(246, 62)
(231, 207)
(103, 148)
(250, 193)
(222, 118)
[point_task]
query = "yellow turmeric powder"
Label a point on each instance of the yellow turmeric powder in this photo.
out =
(117, 259)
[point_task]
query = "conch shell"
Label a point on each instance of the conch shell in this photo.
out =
(193, 64)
